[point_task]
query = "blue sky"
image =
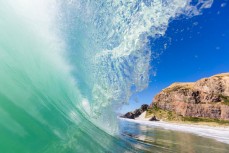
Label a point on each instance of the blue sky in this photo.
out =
(197, 47)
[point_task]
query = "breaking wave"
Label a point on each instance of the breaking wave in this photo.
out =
(67, 66)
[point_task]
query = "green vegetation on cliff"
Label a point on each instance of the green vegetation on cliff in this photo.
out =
(178, 86)
(173, 117)
(162, 114)
(225, 99)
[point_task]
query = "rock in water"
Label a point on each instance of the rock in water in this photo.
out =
(153, 119)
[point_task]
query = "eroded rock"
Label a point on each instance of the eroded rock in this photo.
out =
(208, 98)
(136, 113)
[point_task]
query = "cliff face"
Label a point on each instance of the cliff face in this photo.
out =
(207, 98)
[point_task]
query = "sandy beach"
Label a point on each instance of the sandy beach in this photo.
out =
(218, 133)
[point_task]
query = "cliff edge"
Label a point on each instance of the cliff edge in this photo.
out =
(205, 98)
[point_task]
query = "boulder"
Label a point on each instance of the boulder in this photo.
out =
(153, 119)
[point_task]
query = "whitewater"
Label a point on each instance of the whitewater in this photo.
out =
(66, 66)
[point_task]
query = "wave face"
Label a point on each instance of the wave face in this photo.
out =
(66, 66)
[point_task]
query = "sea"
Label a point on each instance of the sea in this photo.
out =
(67, 66)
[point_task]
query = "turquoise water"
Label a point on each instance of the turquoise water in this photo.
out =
(67, 66)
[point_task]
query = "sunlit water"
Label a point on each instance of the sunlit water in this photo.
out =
(66, 66)
(159, 140)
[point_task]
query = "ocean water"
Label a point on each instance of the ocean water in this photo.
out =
(66, 66)
(156, 139)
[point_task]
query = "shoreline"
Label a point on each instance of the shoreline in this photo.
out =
(218, 133)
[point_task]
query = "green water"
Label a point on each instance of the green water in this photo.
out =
(67, 66)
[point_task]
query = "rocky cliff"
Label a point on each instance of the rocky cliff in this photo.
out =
(205, 98)
(136, 113)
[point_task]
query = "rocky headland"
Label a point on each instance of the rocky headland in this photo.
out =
(137, 112)
(206, 100)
